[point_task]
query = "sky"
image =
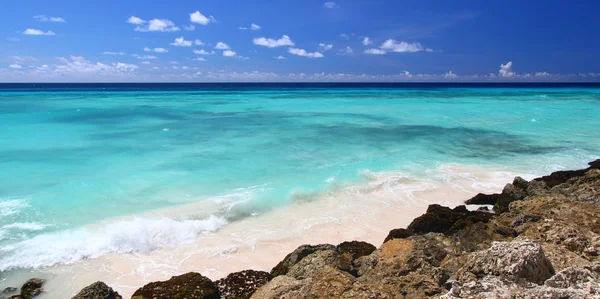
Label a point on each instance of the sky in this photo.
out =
(308, 40)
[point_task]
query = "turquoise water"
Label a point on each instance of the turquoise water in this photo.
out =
(70, 158)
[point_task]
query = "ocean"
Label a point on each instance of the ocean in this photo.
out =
(90, 170)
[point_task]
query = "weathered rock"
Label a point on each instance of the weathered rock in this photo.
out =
(242, 284)
(189, 286)
(313, 262)
(564, 234)
(296, 256)
(536, 188)
(356, 249)
(32, 288)
(282, 287)
(511, 260)
(9, 290)
(97, 290)
(576, 278)
(559, 177)
(398, 233)
(440, 219)
(594, 164)
(587, 188)
(328, 282)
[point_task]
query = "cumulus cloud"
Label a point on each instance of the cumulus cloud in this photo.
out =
(203, 52)
(157, 25)
(366, 41)
(15, 66)
(144, 57)
(157, 50)
(329, 4)
(273, 43)
(542, 74)
(43, 18)
(135, 20)
(325, 47)
(302, 52)
(254, 27)
(222, 46)
(348, 50)
(199, 18)
(344, 36)
(145, 62)
(401, 47)
(450, 75)
(506, 70)
(198, 42)
(280, 57)
(113, 53)
(181, 42)
(189, 28)
(229, 53)
(374, 51)
(199, 59)
(30, 31)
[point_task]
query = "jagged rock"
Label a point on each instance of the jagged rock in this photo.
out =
(593, 249)
(32, 288)
(282, 287)
(559, 177)
(297, 255)
(561, 233)
(9, 290)
(440, 219)
(97, 290)
(398, 233)
(371, 290)
(576, 277)
(365, 263)
(535, 188)
(189, 286)
(242, 284)
(315, 261)
(511, 260)
(328, 282)
(587, 188)
(356, 249)
(594, 164)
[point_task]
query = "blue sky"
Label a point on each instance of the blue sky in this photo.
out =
(309, 40)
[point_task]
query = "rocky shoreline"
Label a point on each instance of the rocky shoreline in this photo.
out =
(542, 240)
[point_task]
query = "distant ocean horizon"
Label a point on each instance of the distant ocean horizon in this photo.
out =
(76, 156)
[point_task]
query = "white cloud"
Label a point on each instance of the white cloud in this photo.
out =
(24, 58)
(37, 32)
(157, 50)
(280, 57)
(243, 28)
(181, 42)
(273, 43)
(198, 18)
(222, 46)
(348, 50)
(135, 20)
(329, 4)
(198, 42)
(146, 49)
(302, 52)
(505, 70)
(542, 74)
(229, 53)
(374, 51)
(189, 28)
(145, 62)
(344, 36)
(366, 41)
(159, 25)
(15, 66)
(325, 47)
(144, 57)
(199, 59)
(113, 53)
(13, 39)
(43, 18)
(450, 75)
(254, 27)
(203, 52)
(401, 47)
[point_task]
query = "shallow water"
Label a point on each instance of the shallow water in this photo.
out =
(77, 163)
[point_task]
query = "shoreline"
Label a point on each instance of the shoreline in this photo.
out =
(366, 213)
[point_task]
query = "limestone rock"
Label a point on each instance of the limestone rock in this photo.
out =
(328, 282)
(510, 260)
(32, 288)
(282, 287)
(242, 284)
(440, 219)
(296, 256)
(313, 262)
(398, 233)
(97, 290)
(356, 249)
(189, 286)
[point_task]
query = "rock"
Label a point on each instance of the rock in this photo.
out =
(536, 188)
(296, 256)
(9, 290)
(398, 233)
(559, 177)
(313, 262)
(356, 249)
(32, 288)
(510, 260)
(242, 284)
(485, 199)
(594, 164)
(565, 235)
(587, 188)
(282, 287)
(328, 282)
(97, 290)
(440, 219)
(189, 286)
(576, 277)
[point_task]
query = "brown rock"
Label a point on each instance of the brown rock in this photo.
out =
(328, 282)
(440, 219)
(32, 288)
(97, 290)
(356, 249)
(242, 284)
(189, 286)
(282, 287)
(296, 256)
(398, 233)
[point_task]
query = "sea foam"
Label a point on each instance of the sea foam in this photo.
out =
(137, 235)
